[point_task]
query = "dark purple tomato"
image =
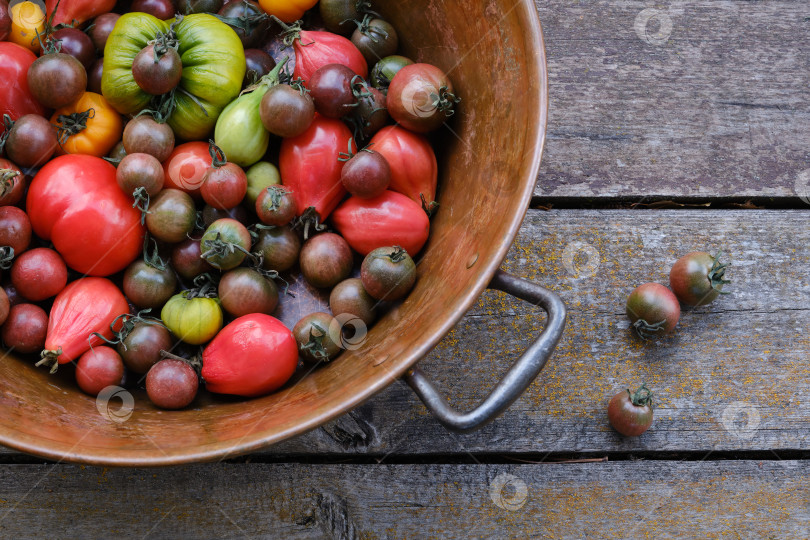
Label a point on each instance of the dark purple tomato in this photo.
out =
(77, 44)
(39, 274)
(5, 20)
(99, 368)
(653, 310)
(276, 206)
(366, 175)
(5, 306)
(140, 349)
(326, 260)
(31, 142)
(315, 342)
(172, 384)
(102, 28)
(57, 80)
(157, 77)
(225, 244)
(331, 90)
(420, 98)
(15, 229)
(259, 64)
(631, 414)
(172, 215)
(12, 183)
(148, 286)
(248, 21)
(14, 297)
(211, 214)
(145, 135)
(140, 171)
(697, 278)
(243, 291)
(286, 111)
(375, 39)
(350, 297)
(25, 328)
(162, 9)
(388, 273)
(224, 187)
(187, 260)
(279, 248)
(187, 7)
(371, 114)
(339, 15)
(94, 75)
(383, 71)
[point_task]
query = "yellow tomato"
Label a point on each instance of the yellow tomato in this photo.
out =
(102, 129)
(287, 10)
(27, 18)
(193, 320)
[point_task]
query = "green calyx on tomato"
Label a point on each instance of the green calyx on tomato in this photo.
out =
(213, 68)
(641, 397)
(717, 274)
(195, 315)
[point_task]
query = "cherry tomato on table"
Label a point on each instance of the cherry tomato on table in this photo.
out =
(697, 278)
(653, 310)
(631, 414)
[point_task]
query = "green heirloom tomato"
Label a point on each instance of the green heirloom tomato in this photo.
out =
(193, 320)
(213, 70)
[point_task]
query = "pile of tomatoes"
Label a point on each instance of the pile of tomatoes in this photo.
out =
(169, 166)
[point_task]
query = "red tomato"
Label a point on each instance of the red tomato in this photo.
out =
(86, 306)
(78, 11)
(309, 165)
(75, 202)
(392, 219)
(39, 274)
(412, 160)
(315, 49)
(252, 356)
(186, 168)
(15, 97)
(99, 368)
(15, 229)
(12, 183)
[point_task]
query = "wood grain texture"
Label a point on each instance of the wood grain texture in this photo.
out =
(724, 499)
(720, 109)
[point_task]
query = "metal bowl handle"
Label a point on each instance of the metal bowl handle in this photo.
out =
(519, 376)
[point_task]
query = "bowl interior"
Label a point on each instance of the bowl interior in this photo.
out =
(489, 155)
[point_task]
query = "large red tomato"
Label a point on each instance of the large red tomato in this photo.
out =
(78, 11)
(412, 160)
(309, 165)
(75, 202)
(15, 97)
(252, 356)
(392, 219)
(314, 49)
(83, 308)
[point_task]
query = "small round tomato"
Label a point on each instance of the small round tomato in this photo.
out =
(157, 74)
(366, 175)
(339, 15)
(314, 339)
(140, 171)
(57, 79)
(144, 135)
(225, 184)
(225, 244)
(102, 28)
(39, 274)
(89, 125)
(25, 328)
(350, 297)
(326, 260)
(251, 24)
(420, 98)
(278, 247)
(388, 273)
(697, 278)
(653, 310)
(77, 44)
(12, 183)
(259, 64)
(140, 348)
(186, 259)
(375, 38)
(276, 206)
(149, 284)
(172, 384)
(286, 111)
(186, 167)
(243, 291)
(195, 320)
(631, 414)
(171, 216)
(287, 10)
(15, 229)
(99, 368)
(331, 90)
(31, 141)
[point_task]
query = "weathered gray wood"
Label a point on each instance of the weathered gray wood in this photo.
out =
(722, 499)
(719, 109)
(745, 354)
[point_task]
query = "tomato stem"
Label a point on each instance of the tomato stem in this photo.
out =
(205, 286)
(218, 158)
(717, 274)
(153, 258)
(141, 197)
(365, 28)
(72, 124)
(195, 361)
(398, 255)
(247, 22)
(429, 207)
(164, 41)
(6, 257)
(8, 123)
(445, 101)
(646, 330)
(315, 343)
(50, 359)
(310, 217)
(641, 397)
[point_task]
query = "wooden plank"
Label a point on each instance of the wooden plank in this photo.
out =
(725, 499)
(714, 111)
(743, 357)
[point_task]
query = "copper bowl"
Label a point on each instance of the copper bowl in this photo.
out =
(489, 160)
